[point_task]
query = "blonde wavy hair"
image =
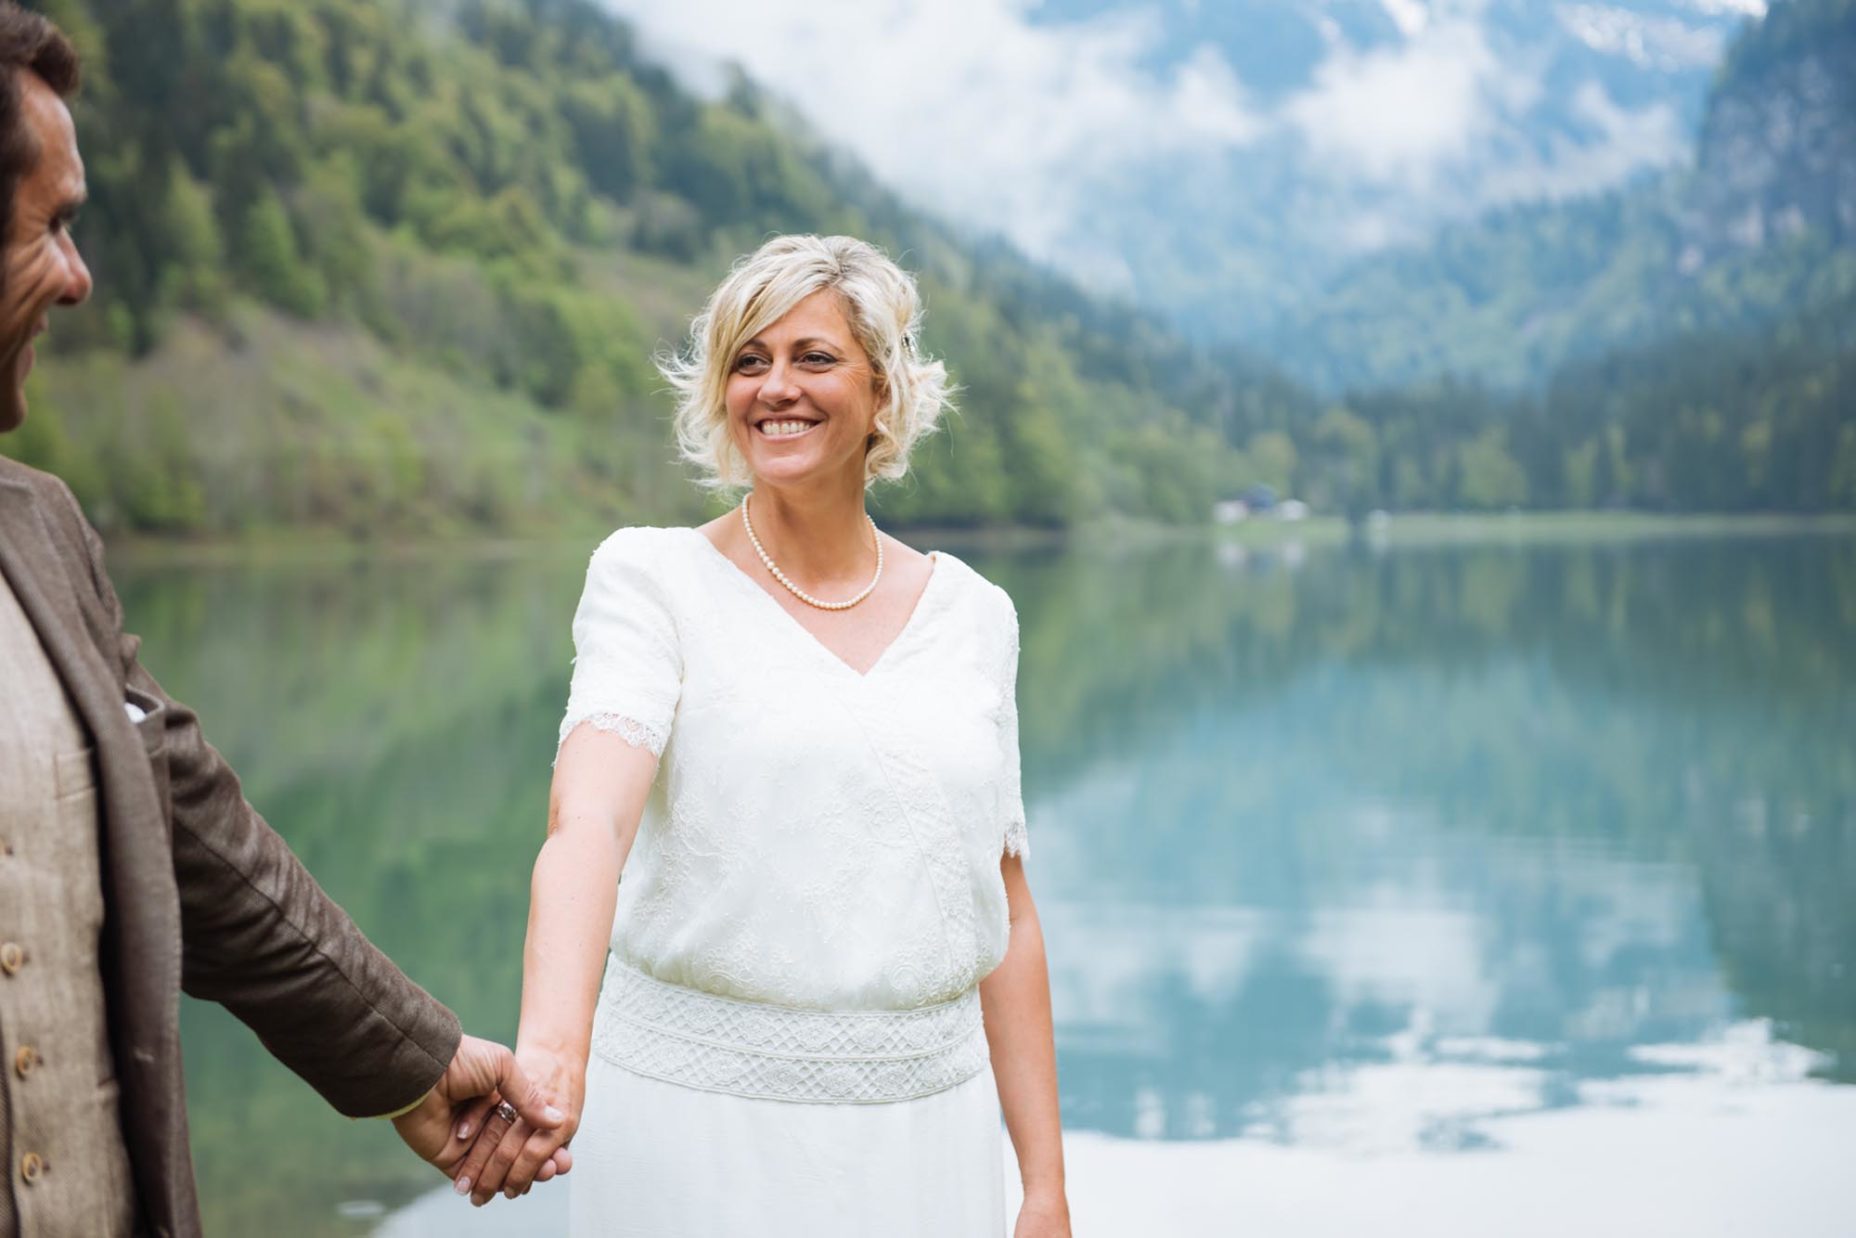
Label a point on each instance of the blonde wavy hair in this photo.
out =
(883, 307)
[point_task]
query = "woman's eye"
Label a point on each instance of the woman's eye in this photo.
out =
(749, 362)
(818, 358)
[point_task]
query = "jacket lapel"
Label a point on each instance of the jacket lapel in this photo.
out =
(38, 579)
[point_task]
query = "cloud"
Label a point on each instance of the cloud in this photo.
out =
(1076, 138)
(1410, 16)
(1729, 8)
(1621, 141)
(1398, 112)
(967, 105)
(1443, 115)
(1654, 42)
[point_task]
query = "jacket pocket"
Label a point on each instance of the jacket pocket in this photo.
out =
(153, 729)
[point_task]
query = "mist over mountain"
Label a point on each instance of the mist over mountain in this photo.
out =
(1379, 123)
(1225, 163)
(1755, 229)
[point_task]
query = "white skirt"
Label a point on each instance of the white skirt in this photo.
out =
(654, 1159)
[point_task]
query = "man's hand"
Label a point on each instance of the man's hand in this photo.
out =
(481, 1074)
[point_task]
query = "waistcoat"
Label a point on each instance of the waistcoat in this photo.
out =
(62, 1152)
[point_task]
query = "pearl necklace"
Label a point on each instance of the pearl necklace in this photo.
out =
(794, 589)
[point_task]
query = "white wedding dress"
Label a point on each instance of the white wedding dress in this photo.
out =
(788, 1039)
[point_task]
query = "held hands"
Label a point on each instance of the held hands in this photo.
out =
(511, 1156)
(482, 1073)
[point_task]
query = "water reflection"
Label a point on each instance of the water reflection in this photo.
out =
(1363, 853)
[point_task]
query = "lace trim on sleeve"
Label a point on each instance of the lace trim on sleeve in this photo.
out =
(1012, 797)
(1017, 842)
(627, 728)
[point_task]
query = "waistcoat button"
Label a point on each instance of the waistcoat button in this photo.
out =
(12, 957)
(25, 1060)
(31, 1167)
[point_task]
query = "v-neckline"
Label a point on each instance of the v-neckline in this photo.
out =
(908, 625)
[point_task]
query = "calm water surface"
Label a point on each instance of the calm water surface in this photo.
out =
(1432, 891)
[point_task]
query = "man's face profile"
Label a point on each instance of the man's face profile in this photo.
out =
(42, 265)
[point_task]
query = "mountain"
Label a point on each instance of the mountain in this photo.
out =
(1778, 150)
(1761, 226)
(1379, 122)
(1685, 344)
(1368, 191)
(398, 269)
(395, 268)
(1220, 162)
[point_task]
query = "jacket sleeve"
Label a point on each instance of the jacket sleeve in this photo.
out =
(261, 937)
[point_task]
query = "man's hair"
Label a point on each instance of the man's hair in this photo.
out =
(28, 43)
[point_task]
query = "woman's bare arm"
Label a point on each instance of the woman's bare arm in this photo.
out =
(594, 806)
(1015, 999)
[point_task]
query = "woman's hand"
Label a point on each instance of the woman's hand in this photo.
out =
(480, 1074)
(1043, 1215)
(511, 1157)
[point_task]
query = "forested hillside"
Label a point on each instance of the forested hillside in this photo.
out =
(1761, 226)
(1708, 420)
(386, 266)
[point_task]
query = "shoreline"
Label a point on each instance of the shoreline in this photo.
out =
(1405, 529)
(1446, 528)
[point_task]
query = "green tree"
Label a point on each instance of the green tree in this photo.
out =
(1346, 462)
(1272, 454)
(195, 275)
(271, 263)
(1490, 478)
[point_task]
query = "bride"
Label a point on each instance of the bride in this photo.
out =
(824, 978)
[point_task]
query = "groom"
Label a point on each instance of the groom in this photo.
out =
(131, 867)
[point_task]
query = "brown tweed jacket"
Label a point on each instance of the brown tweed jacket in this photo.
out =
(199, 893)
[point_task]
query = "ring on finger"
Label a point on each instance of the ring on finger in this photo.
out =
(506, 1111)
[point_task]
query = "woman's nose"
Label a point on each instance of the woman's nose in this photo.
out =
(778, 386)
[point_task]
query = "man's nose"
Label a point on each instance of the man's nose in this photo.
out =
(77, 281)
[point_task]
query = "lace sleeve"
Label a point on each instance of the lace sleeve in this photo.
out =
(628, 668)
(1011, 793)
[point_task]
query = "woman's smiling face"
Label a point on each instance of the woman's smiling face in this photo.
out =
(802, 396)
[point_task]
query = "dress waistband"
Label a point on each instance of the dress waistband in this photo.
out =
(756, 1049)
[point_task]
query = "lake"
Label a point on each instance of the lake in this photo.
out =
(1458, 890)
